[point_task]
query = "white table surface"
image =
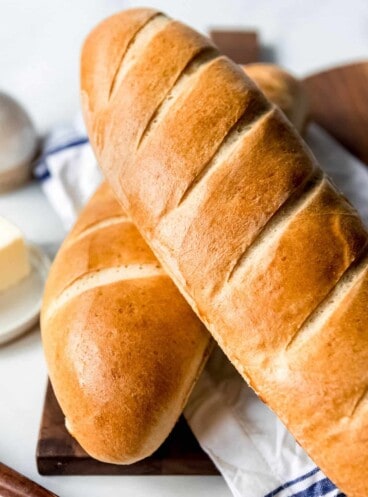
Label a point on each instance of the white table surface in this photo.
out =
(39, 51)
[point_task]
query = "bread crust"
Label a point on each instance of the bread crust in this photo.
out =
(128, 348)
(258, 262)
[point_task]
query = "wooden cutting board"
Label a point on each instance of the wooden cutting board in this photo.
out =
(339, 101)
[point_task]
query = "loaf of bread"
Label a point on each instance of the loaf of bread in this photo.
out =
(123, 347)
(270, 256)
(282, 89)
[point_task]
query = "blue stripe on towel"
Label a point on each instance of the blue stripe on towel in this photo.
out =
(64, 146)
(41, 171)
(292, 482)
(42, 176)
(317, 489)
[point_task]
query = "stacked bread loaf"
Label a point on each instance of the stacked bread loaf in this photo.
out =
(269, 255)
(123, 347)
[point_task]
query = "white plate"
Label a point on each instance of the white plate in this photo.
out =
(20, 304)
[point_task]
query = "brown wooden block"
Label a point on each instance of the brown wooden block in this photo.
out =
(60, 454)
(339, 102)
(241, 46)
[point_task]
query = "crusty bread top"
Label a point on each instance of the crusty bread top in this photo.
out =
(123, 347)
(262, 246)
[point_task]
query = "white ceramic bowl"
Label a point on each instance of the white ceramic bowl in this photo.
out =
(18, 143)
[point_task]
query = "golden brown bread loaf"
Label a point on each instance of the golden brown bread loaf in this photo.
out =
(282, 89)
(123, 347)
(269, 255)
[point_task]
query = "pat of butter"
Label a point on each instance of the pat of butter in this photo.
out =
(14, 264)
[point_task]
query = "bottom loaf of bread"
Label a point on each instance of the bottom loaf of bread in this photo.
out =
(123, 347)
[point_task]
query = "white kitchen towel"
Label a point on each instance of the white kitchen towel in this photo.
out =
(252, 449)
(68, 170)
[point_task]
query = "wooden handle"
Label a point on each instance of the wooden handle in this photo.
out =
(13, 484)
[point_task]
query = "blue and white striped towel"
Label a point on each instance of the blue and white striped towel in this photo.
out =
(68, 170)
(251, 448)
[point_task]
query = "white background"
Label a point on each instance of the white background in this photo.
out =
(39, 52)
